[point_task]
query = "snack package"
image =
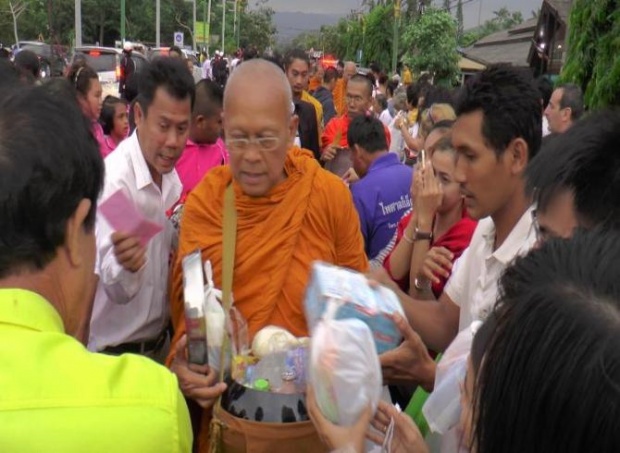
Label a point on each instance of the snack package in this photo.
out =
(442, 409)
(372, 305)
(344, 369)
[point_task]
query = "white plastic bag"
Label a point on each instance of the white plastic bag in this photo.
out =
(442, 409)
(344, 369)
(216, 318)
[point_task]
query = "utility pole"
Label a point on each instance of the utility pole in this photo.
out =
(208, 38)
(122, 21)
(157, 23)
(235, 23)
(78, 23)
(223, 26)
(395, 37)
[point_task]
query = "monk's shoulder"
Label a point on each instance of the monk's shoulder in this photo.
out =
(331, 188)
(211, 187)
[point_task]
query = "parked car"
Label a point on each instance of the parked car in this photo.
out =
(106, 61)
(51, 58)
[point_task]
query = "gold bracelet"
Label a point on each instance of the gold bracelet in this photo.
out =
(408, 239)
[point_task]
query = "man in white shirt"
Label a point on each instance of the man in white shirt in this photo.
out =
(131, 309)
(497, 132)
(206, 69)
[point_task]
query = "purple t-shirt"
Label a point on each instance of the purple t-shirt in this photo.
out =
(382, 198)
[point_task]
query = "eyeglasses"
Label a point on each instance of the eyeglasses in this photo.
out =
(240, 145)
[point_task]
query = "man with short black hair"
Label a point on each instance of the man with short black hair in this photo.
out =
(576, 178)
(28, 64)
(131, 310)
(297, 70)
(496, 134)
(382, 194)
(56, 395)
(565, 107)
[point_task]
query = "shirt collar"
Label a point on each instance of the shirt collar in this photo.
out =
(30, 310)
(384, 161)
(138, 163)
(516, 240)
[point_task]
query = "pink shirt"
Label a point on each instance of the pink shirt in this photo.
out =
(104, 149)
(197, 160)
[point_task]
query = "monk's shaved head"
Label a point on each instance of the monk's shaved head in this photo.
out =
(259, 74)
(349, 70)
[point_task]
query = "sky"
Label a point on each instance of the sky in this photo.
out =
(471, 8)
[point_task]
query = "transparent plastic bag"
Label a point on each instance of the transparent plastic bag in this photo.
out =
(442, 409)
(344, 368)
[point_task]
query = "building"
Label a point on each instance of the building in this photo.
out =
(548, 47)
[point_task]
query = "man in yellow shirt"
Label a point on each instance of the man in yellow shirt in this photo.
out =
(56, 396)
(297, 69)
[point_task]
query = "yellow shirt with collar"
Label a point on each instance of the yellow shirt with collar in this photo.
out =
(56, 396)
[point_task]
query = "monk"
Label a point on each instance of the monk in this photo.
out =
(340, 92)
(290, 213)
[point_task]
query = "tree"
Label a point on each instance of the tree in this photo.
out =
(17, 8)
(503, 20)
(591, 60)
(432, 46)
(446, 5)
(459, 18)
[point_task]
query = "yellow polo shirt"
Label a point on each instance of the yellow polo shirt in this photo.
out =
(56, 396)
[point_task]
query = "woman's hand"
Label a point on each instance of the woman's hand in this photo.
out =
(336, 437)
(406, 437)
(428, 196)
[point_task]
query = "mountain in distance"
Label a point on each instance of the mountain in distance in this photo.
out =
(291, 24)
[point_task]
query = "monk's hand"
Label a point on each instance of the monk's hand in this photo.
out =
(410, 363)
(197, 382)
(128, 250)
(329, 153)
(348, 438)
(406, 438)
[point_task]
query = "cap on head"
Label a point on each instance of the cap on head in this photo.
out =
(128, 46)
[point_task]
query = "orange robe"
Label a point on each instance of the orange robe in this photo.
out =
(340, 96)
(335, 133)
(314, 83)
(310, 216)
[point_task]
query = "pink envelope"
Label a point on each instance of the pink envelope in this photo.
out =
(123, 216)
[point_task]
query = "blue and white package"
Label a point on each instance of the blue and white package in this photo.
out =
(357, 300)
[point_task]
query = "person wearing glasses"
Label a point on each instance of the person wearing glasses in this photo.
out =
(290, 213)
(564, 108)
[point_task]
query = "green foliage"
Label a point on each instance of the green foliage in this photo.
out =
(431, 46)
(593, 43)
(54, 20)
(503, 20)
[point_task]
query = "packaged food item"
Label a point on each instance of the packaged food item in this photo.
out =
(358, 300)
(195, 321)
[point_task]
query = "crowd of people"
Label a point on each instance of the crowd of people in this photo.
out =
(494, 206)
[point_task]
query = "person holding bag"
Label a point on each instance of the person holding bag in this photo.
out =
(261, 221)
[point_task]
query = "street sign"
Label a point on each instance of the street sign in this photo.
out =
(178, 38)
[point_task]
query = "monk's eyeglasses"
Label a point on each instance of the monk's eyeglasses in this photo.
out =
(267, 144)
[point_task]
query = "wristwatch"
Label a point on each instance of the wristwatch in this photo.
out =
(421, 286)
(422, 235)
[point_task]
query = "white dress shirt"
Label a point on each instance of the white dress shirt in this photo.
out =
(473, 284)
(133, 307)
